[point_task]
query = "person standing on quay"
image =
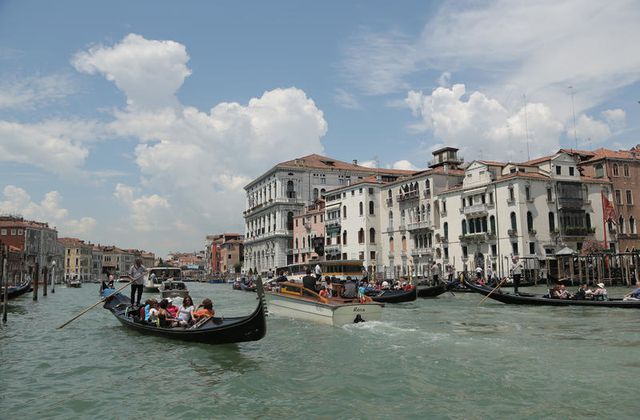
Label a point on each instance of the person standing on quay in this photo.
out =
(516, 272)
(137, 280)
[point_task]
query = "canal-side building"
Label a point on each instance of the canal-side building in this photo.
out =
(308, 233)
(223, 253)
(275, 197)
(620, 168)
(78, 256)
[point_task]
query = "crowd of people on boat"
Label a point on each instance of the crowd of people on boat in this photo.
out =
(584, 292)
(164, 313)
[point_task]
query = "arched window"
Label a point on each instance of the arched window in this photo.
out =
(621, 225)
(291, 193)
(344, 212)
(390, 218)
(427, 189)
(552, 222)
(372, 235)
(290, 220)
(344, 237)
(361, 209)
(616, 171)
(361, 236)
(492, 223)
(371, 208)
(390, 194)
(391, 244)
(315, 194)
(588, 220)
(304, 242)
(464, 227)
(514, 223)
(599, 170)
(297, 243)
(404, 243)
(632, 225)
(625, 168)
(529, 221)
(322, 191)
(445, 230)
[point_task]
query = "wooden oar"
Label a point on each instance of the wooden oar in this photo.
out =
(91, 307)
(494, 289)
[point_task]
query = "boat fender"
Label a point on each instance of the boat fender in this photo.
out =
(358, 319)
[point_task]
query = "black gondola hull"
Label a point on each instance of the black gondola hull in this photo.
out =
(530, 299)
(434, 291)
(393, 296)
(216, 331)
(15, 291)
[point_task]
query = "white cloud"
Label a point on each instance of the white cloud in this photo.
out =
(193, 163)
(404, 164)
(589, 130)
(49, 209)
(616, 118)
(31, 92)
(444, 79)
(346, 99)
(55, 146)
(540, 48)
(478, 124)
(149, 72)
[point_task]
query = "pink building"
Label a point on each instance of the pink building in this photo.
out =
(308, 234)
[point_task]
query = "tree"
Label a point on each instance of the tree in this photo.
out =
(591, 247)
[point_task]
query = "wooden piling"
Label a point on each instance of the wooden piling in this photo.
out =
(44, 281)
(35, 280)
(5, 282)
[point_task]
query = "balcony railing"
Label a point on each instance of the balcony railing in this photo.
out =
(389, 229)
(475, 210)
(332, 248)
(419, 225)
(512, 232)
(477, 237)
(578, 231)
(421, 252)
(332, 222)
(411, 195)
(571, 202)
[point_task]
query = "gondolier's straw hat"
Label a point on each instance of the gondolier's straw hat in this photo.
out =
(601, 285)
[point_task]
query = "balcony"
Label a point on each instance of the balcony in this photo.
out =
(329, 223)
(572, 202)
(426, 194)
(402, 227)
(333, 248)
(477, 237)
(475, 210)
(411, 195)
(578, 231)
(421, 252)
(512, 232)
(419, 225)
(389, 229)
(532, 232)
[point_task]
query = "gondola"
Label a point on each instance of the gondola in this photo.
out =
(530, 299)
(393, 296)
(216, 330)
(433, 291)
(248, 287)
(15, 291)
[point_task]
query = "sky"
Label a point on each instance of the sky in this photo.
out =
(138, 123)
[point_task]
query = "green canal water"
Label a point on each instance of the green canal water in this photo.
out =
(432, 358)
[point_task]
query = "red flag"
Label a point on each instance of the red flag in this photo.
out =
(608, 211)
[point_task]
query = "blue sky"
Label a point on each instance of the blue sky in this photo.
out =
(138, 123)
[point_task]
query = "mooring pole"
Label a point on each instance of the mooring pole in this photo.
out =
(5, 294)
(44, 281)
(36, 274)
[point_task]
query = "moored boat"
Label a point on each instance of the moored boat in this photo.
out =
(154, 277)
(393, 296)
(531, 299)
(293, 300)
(16, 290)
(216, 330)
(75, 284)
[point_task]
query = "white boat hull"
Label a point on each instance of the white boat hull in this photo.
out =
(328, 314)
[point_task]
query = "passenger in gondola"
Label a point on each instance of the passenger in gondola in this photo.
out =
(560, 292)
(583, 292)
(205, 310)
(384, 285)
(329, 286)
(323, 292)
(185, 311)
(164, 316)
(600, 293)
(154, 313)
(106, 288)
(171, 308)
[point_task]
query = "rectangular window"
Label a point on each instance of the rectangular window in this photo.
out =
(490, 198)
(571, 170)
(527, 192)
(20, 232)
(494, 249)
(618, 197)
(446, 252)
(514, 248)
(13, 232)
(444, 206)
(464, 252)
(532, 248)
(3, 232)
(370, 190)
(512, 196)
(626, 170)
(629, 197)
(558, 170)
(372, 255)
(315, 219)
(296, 222)
(549, 195)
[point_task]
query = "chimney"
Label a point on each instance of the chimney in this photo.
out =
(355, 161)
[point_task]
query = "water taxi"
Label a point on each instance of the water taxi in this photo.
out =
(154, 277)
(295, 301)
(173, 289)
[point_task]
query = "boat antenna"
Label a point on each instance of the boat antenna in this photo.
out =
(526, 126)
(573, 110)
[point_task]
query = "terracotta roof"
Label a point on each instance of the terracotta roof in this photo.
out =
(603, 153)
(322, 162)
(539, 160)
(494, 163)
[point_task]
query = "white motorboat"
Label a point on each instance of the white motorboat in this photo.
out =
(154, 277)
(173, 289)
(293, 300)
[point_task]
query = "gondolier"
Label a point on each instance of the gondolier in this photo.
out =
(516, 272)
(136, 272)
